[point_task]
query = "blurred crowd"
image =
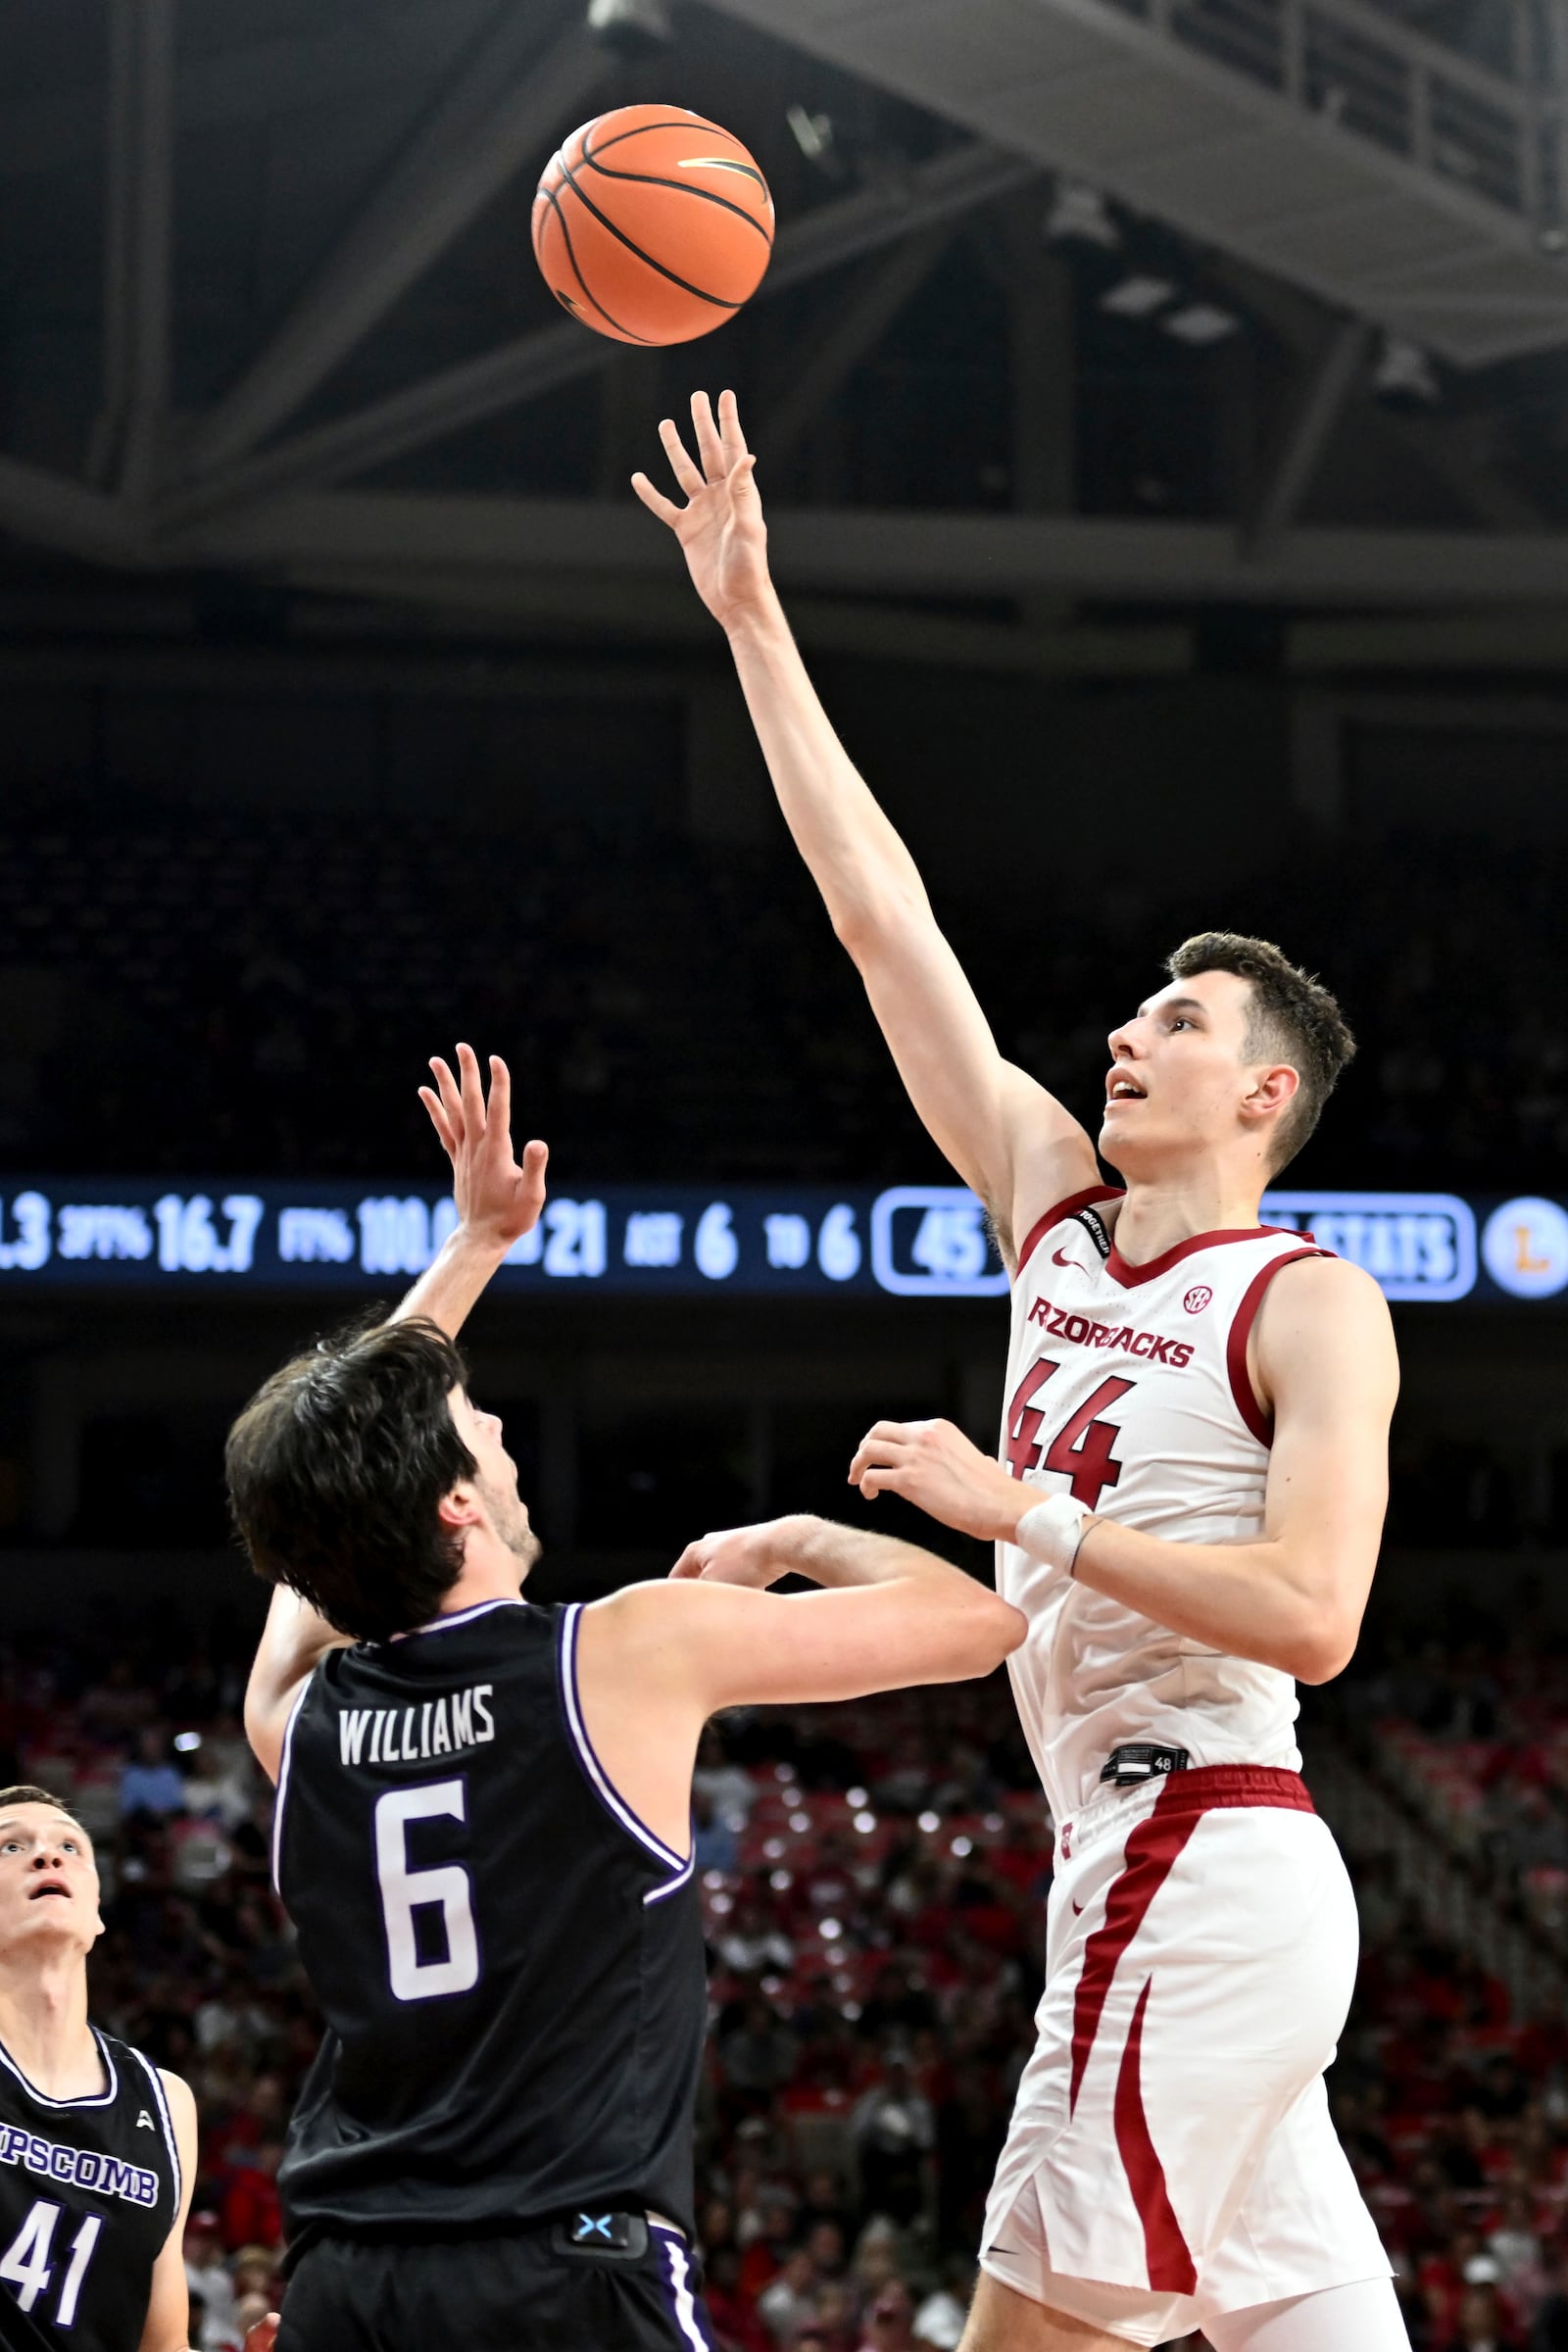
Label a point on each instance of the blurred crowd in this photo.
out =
(683, 1012)
(874, 1879)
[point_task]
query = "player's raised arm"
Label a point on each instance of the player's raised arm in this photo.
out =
(497, 1201)
(1008, 1139)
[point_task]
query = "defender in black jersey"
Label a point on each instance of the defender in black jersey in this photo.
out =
(483, 1825)
(97, 2146)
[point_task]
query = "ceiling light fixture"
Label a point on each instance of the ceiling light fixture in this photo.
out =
(1137, 296)
(632, 27)
(1200, 323)
(1080, 215)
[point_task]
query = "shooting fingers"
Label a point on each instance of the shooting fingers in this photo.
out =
(687, 473)
(655, 502)
(450, 1101)
(438, 1121)
(500, 1099)
(473, 1091)
(730, 427)
(709, 444)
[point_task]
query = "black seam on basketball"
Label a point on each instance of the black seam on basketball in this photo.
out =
(718, 300)
(591, 155)
(682, 188)
(554, 201)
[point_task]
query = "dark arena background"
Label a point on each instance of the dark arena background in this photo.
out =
(1163, 412)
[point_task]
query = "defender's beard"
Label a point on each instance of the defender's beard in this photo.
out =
(510, 1522)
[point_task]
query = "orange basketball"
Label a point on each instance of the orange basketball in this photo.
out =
(651, 225)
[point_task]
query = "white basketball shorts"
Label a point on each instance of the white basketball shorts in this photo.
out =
(1171, 2156)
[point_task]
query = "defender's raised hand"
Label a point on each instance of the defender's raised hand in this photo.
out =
(497, 1200)
(720, 527)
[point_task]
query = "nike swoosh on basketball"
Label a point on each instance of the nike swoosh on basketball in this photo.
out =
(1058, 1260)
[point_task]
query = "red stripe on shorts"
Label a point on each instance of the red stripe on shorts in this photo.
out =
(1171, 2269)
(1152, 1851)
(1151, 1855)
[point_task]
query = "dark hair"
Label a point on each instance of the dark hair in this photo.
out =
(25, 1793)
(335, 1470)
(1294, 1018)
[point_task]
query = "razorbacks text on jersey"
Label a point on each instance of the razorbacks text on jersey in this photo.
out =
(509, 1963)
(1128, 1389)
(89, 2189)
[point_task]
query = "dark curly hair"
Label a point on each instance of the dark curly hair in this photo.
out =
(335, 1470)
(1294, 1018)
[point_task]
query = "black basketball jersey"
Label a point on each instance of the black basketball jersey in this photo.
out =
(509, 1962)
(90, 2191)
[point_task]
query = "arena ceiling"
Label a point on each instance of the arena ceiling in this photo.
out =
(1079, 318)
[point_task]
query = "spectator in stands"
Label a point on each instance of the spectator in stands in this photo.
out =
(890, 2322)
(152, 1782)
(712, 1836)
(789, 2301)
(1482, 2325)
(727, 1786)
(207, 2275)
(939, 2321)
(759, 2057)
(895, 2133)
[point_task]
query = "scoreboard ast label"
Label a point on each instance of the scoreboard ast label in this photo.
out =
(911, 1242)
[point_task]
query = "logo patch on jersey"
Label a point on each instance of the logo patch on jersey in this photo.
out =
(1058, 1260)
(1198, 1299)
(144, 2122)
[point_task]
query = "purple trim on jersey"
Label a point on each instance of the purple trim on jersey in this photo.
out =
(658, 1894)
(599, 1780)
(168, 2120)
(677, 2285)
(282, 1784)
(444, 1625)
(94, 2099)
(1130, 1276)
(1062, 1212)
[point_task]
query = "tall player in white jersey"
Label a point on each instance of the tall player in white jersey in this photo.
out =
(1188, 1509)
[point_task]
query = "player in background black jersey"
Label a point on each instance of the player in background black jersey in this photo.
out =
(97, 2145)
(483, 1824)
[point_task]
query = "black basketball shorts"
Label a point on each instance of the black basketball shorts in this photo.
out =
(522, 2291)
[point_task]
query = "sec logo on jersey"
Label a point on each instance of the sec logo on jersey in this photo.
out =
(1198, 1299)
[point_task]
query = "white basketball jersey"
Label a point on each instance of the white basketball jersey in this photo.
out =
(1127, 1388)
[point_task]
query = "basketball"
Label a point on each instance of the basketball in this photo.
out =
(653, 225)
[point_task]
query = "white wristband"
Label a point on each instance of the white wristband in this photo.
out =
(1053, 1531)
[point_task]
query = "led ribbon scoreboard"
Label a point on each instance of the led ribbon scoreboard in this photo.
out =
(910, 1242)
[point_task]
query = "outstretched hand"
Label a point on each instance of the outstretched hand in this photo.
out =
(497, 1200)
(933, 1465)
(720, 527)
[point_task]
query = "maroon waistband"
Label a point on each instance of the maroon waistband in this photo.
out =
(1209, 1788)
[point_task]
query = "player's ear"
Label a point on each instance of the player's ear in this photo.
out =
(460, 1507)
(1271, 1091)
